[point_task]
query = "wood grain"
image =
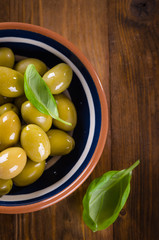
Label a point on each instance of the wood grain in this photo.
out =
(134, 57)
(120, 39)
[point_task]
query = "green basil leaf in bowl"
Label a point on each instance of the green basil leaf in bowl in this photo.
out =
(39, 94)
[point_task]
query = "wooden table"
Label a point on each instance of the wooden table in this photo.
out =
(121, 40)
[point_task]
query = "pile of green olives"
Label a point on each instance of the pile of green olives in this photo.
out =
(27, 136)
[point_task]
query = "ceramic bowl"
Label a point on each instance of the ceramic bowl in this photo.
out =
(65, 174)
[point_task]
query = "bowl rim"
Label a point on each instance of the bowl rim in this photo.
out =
(104, 120)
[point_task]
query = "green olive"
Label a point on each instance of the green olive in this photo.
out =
(35, 142)
(11, 82)
(10, 127)
(31, 115)
(5, 186)
(19, 101)
(6, 57)
(58, 78)
(61, 142)
(66, 111)
(8, 107)
(12, 162)
(39, 65)
(31, 172)
(4, 100)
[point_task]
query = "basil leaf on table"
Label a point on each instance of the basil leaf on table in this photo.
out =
(105, 197)
(39, 94)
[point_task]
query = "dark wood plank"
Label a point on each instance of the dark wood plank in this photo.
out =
(8, 227)
(5, 11)
(134, 61)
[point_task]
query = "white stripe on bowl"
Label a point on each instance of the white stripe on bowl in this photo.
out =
(54, 186)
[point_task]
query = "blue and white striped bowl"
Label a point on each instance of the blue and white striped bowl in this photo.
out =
(61, 177)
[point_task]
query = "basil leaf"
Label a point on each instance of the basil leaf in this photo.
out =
(39, 94)
(105, 197)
